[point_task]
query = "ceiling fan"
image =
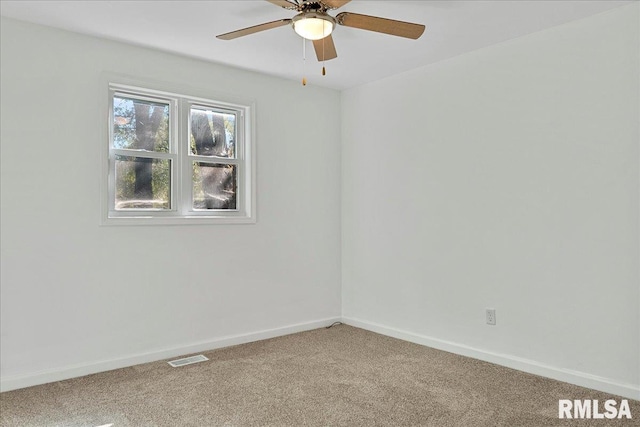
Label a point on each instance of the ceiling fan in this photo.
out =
(314, 23)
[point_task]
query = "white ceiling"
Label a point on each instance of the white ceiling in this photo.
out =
(190, 27)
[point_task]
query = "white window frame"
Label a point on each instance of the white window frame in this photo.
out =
(181, 193)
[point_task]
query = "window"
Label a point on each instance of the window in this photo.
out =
(177, 159)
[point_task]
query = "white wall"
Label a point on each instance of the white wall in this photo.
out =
(504, 178)
(78, 297)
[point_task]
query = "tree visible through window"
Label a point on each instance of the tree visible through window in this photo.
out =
(213, 135)
(174, 156)
(141, 126)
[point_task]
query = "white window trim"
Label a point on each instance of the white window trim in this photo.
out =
(181, 213)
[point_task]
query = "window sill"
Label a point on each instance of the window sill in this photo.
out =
(182, 220)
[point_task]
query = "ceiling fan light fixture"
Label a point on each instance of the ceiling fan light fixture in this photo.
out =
(313, 25)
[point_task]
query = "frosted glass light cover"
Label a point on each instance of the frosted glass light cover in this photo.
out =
(313, 28)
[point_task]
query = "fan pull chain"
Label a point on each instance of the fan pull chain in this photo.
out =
(324, 72)
(304, 60)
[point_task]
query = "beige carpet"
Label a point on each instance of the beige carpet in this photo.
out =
(341, 376)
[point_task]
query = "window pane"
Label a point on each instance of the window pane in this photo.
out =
(214, 186)
(140, 125)
(142, 183)
(213, 133)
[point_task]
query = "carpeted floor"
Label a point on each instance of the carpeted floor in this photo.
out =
(342, 376)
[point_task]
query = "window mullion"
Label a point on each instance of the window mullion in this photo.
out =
(175, 164)
(185, 161)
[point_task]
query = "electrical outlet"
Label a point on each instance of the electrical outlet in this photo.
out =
(491, 316)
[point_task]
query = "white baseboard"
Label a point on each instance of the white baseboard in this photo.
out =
(43, 377)
(530, 366)
(573, 377)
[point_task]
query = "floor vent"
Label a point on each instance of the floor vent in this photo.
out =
(187, 361)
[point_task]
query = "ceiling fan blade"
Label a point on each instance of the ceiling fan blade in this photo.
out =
(325, 49)
(285, 3)
(334, 4)
(254, 29)
(381, 25)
